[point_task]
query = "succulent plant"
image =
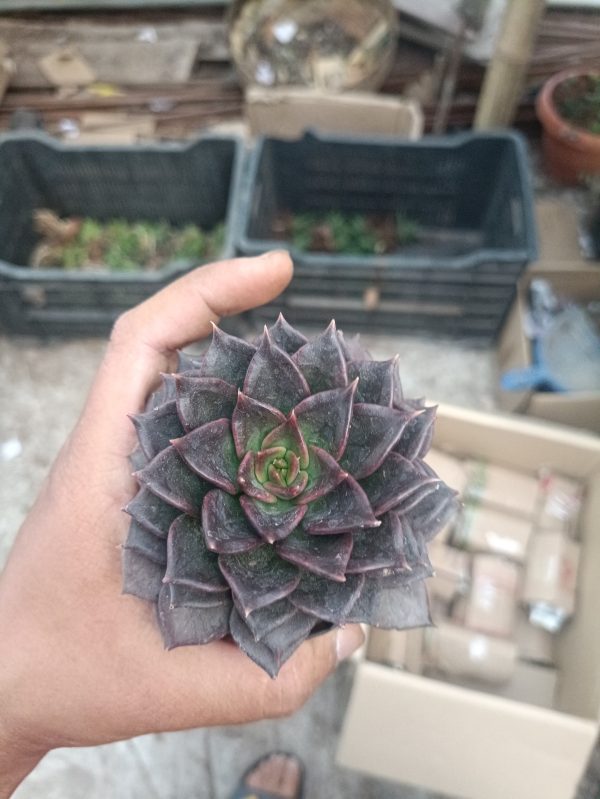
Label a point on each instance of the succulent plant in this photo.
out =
(282, 492)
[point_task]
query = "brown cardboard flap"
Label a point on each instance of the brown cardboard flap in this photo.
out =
(288, 112)
(578, 409)
(460, 742)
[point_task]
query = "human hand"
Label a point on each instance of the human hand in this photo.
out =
(82, 663)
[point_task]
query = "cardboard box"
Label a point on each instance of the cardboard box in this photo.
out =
(465, 743)
(401, 649)
(579, 409)
(533, 643)
(533, 684)
(558, 232)
(498, 487)
(452, 470)
(550, 583)
(452, 569)
(491, 605)
(287, 112)
(459, 653)
(530, 683)
(483, 529)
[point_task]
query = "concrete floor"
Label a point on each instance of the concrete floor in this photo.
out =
(41, 393)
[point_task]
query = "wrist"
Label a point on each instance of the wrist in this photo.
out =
(19, 754)
(14, 767)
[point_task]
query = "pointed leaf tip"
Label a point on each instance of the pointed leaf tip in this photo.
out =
(289, 436)
(374, 430)
(226, 358)
(157, 427)
(189, 561)
(226, 528)
(272, 522)
(322, 362)
(203, 399)
(342, 510)
(251, 422)
(274, 379)
(189, 626)
(376, 381)
(168, 478)
(210, 452)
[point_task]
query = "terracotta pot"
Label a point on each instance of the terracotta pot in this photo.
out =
(570, 153)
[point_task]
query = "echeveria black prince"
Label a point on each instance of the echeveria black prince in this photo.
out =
(282, 492)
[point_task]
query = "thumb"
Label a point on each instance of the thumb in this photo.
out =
(144, 338)
(182, 312)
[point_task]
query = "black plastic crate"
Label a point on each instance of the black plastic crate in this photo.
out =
(469, 194)
(194, 182)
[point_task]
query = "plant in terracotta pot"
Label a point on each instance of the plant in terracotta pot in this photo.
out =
(569, 109)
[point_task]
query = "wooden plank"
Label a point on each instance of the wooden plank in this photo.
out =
(150, 49)
(19, 6)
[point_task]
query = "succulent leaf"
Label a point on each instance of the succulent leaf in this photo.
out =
(141, 577)
(273, 522)
(184, 626)
(146, 543)
(182, 596)
(166, 392)
(322, 362)
(258, 578)
(376, 381)
(289, 436)
(262, 621)
(286, 337)
(187, 363)
(323, 475)
(157, 427)
(203, 399)
(168, 478)
(248, 480)
(326, 555)
(342, 510)
(210, 452)
(324, 419)
(227, 358)
(385, 604)
(226, 528)
(384, 548)
(395, 480)
(416, 438)
(151, 512)
(276, 646)
(137, 459)
(189, 561)
(374, 430)
(274, 379)
(434, 512)
(251, 422)
(353, 349)
(325, 599)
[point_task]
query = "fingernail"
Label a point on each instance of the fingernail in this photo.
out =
(274, 254)
(348, 640)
